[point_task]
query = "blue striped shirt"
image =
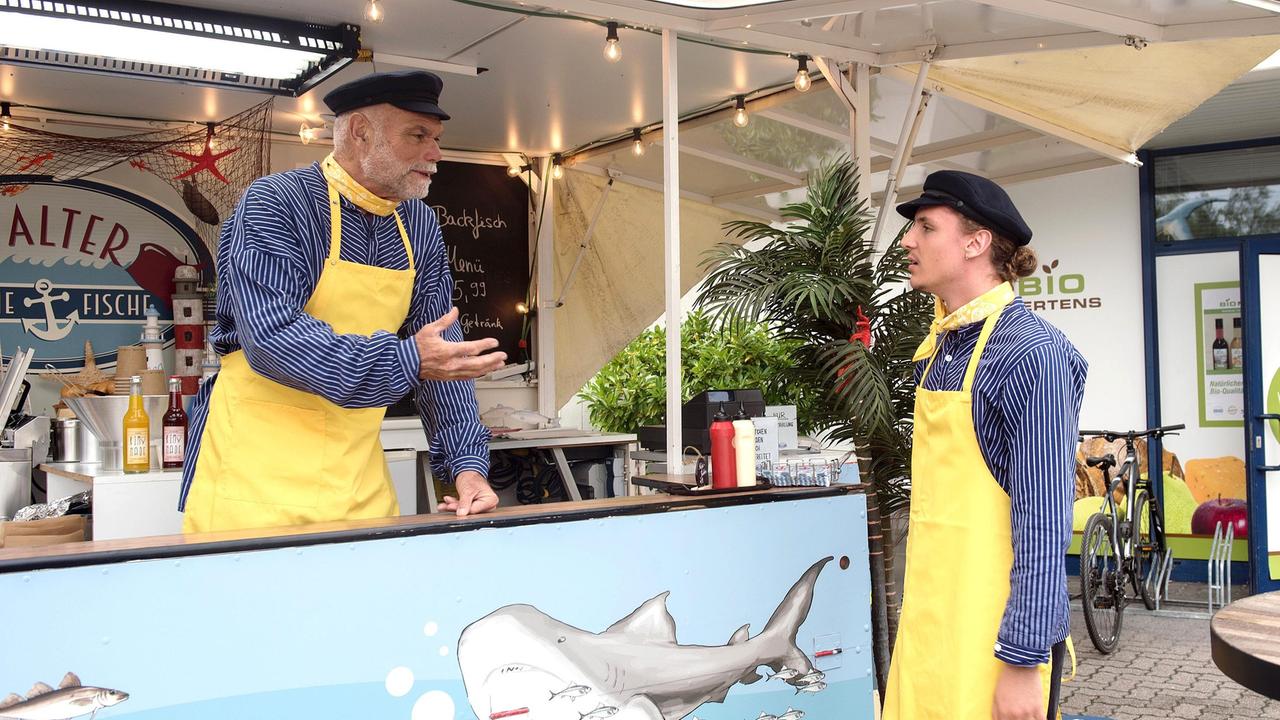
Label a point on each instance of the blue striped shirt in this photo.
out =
(1026, 409)
(270, 257)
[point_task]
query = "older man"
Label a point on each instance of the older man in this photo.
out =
(321, 272)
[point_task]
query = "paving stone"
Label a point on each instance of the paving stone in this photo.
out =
(1161, 670)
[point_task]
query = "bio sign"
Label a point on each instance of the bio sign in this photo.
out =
(1055, 290)
(82, 261)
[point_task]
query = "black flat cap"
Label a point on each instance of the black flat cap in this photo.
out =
(413, 90)
(974, 197)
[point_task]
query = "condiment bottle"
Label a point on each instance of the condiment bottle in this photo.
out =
(724, 470)
(744, 448)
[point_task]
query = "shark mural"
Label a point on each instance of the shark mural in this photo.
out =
(518, 662)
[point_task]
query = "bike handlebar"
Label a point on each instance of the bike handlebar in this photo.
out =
(1111, 435)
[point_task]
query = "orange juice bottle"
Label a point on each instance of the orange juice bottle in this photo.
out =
(137, 431)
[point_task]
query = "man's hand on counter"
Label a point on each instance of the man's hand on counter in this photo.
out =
(474, 495)
(441, 359)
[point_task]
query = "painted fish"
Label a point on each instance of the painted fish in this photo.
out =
(785, 673)
(812, 688)
(70, 700)
(599, 713)
(571, 693)
(811, 678)
(635, 665)
(766, 716)
(791, 714)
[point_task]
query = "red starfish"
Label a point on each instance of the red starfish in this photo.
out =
(207, 160)
(34, 162)
(139, 164)
(11, 190)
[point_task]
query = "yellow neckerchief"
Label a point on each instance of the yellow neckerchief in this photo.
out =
(973, 311)
(354, 191)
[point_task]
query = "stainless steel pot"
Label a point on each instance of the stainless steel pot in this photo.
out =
(66, 440)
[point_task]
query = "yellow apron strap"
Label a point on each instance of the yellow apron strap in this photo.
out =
(335, 229)
(404, 236)
(335, 225)
(972, 370)
(1071, 650)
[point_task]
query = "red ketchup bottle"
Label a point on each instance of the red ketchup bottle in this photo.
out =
(724, 473)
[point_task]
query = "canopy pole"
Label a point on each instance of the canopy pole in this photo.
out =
(585, 243)
(671, 234)
(910, 124)
(546, 319)
(854, 91)
(860, 126)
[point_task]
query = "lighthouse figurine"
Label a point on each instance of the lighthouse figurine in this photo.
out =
(188, 328)
(152, 340)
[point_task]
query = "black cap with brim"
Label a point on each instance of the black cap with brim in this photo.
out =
(413, 90)
(976, 198)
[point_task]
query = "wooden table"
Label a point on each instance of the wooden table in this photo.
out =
(1245, 642)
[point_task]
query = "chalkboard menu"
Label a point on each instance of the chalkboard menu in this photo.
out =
(484, 215)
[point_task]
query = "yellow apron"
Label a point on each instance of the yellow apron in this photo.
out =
(959, 554)
(271, 455)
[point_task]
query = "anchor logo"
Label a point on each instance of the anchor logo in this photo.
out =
(55, 328)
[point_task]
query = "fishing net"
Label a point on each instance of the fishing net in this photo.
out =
(209, 166)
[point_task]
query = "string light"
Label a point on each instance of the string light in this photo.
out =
(522, 308)
(306, 133)
(517, 170)
(4, 116)
(803, 81)
(637, 143)
(612, 49)
(557, 166)
(740, 117)
(373, 13)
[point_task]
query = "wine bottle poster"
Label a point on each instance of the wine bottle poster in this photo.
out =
(1220, 377)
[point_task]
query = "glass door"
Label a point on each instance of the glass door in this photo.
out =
(1260, 286)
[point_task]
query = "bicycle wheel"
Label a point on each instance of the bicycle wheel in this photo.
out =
(1101, 586)
(1146, 550)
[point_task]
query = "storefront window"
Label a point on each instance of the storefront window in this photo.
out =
(1223, 194)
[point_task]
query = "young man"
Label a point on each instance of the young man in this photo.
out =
(997, 407)
(319, 271)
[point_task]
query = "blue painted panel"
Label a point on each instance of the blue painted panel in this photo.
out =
(371, 628)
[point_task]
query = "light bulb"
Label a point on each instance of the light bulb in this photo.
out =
(803, 81)
(513, 171)
(522, 308)
(306, 134)
(612, 48)
(373, 13)
(637, 143)
(740, 117)
(557, 171)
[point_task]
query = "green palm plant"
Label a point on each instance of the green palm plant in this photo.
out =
(808, 281)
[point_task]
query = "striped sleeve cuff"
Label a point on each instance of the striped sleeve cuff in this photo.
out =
(475, 463)
(407, 354)
(1020, 656)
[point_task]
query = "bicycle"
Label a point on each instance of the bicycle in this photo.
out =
(1116, 549)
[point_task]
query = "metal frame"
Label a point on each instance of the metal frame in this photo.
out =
(338, 44)
(1255, 391)
(1247, 248)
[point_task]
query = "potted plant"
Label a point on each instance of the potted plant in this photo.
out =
(854, 322)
